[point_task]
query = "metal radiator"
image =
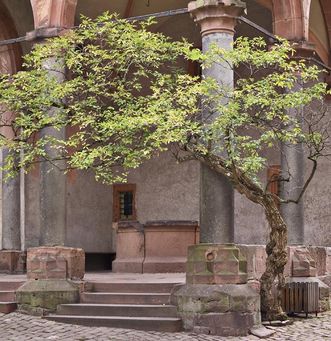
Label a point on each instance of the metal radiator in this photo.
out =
(298, 297)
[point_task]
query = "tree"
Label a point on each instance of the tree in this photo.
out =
(127, 100)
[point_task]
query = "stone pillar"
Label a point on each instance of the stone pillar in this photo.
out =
(217, 20)
(293, 168)
(50, 17)
(10, 198)
(292, 163)
(216, 298)
(10, 215)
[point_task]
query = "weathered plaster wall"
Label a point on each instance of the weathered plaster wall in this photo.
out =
(167, 190)
(89, 213)
(317, 202)
(317, 207)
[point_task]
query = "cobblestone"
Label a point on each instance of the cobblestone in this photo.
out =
(19, 327)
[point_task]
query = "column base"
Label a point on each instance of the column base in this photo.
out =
(37, 297)
(225, 310)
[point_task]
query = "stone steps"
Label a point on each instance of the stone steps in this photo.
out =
(8, 296)
(131, 310)
(129, 287)
(7, 307)
(10, 285)
(125, 298)
(161, 324)
(142, 306)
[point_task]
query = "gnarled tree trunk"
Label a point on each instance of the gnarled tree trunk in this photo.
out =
(276, 261)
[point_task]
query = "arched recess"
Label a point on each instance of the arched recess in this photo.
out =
(10, 55)
(318, 31)
(326, 8)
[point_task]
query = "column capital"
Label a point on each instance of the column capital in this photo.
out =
(216, 15)
(53, 13)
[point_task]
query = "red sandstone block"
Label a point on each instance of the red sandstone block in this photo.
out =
(55, 262)
(303, 265)
(12, 261)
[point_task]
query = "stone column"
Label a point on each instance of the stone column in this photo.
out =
(11, 234)
(217, 20)
(50, 17)
(10, 189)
(293, 168)
(292, 163)
(10, 204)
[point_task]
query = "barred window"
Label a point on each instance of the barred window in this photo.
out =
(124, 202)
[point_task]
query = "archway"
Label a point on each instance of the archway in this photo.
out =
(10, 55)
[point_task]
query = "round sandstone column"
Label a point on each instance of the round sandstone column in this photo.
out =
(217, 20)
(50, 18)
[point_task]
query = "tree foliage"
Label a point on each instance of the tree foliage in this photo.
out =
(122, 95)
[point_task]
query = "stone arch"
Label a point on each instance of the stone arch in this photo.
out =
(319, 34)
(290, 19)
(10, 55)
(326, 7)
(53, 13)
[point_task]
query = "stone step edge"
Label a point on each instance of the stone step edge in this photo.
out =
(125, 293)
(113, 318)
(119, 305)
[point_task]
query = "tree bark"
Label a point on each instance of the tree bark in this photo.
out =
(271, 308)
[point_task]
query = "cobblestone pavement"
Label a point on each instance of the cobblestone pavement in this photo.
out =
(20, 327)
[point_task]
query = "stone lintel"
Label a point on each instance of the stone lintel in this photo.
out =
(216, 16)
(44, 33)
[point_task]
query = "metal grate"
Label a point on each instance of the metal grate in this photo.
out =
(298, 297)
(126, 205)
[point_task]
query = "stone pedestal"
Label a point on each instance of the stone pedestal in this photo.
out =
(227, 310)
(217, 298)
(50, 270)
(38, 297)
(166, 244)
(45, 261)
(155, 247)
(130, 248)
